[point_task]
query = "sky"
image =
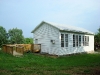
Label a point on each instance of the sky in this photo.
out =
(27, 14)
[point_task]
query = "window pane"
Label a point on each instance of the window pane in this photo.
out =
(76, 40)
(79, 40)
(88, 40)
(62, 40)
(66, 40)
(62, 44)
(83, 41)
(73, 40)
(62, 36)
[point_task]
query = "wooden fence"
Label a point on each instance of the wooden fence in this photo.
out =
(19, 49)
(8, 49)
(36, 48)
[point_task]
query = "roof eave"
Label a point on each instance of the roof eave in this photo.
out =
(73, 31)
(37, 27)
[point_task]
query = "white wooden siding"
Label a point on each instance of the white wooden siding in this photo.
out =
(90, 48)
(45, 34)
(70, 49)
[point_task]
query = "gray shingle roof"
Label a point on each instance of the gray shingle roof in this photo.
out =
(64, 27)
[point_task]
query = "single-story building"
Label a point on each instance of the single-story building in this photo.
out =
(59, 39)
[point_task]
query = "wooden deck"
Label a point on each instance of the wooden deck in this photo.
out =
(20, 49)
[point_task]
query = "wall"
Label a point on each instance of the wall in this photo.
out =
(90, 48)
(45, 33)
(70, 49)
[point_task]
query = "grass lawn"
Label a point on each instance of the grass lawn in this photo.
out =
(35, 64)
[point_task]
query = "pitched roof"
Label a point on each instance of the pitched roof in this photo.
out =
(64, 27)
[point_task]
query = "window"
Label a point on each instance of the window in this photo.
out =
(79, 40)
(85, 40)
(73, 40)
(64, 40)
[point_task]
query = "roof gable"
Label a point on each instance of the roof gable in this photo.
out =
(63, 27)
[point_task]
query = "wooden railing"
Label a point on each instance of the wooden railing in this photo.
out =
(36, 48)
(21, 48)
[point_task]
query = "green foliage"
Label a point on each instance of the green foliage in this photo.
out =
(35, 64)
(3, 36)
(16, 36)
(28, 40)
(97, 37)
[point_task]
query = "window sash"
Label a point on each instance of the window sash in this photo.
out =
(64, 40)
(85, 40)
(79, 40)
(73, 40)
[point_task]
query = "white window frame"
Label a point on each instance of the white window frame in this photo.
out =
(64, 40)
(77, 40)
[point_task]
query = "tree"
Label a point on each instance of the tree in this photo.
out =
(97, 39)
(28, 40)
(97, 36)
(16, 36)
(3, 36)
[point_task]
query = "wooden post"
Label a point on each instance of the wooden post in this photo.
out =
(4, 47)
(32, 48)
(11, 50)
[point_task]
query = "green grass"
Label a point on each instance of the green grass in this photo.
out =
(35, 64)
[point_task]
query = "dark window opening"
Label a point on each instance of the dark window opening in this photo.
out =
(79, 40)
(73, 40)
(62, 40)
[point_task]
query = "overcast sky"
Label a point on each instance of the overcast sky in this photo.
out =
(27, 14)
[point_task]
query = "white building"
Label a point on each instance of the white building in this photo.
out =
(58, 39)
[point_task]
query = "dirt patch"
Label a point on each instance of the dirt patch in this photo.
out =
(46, 55)
(5, 72)
(85, 71)
(16, 53)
